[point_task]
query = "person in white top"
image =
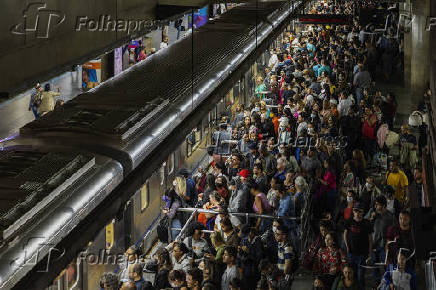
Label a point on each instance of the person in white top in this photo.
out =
(164, 43)
(273, 61)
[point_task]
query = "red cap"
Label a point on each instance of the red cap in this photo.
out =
(244, 173)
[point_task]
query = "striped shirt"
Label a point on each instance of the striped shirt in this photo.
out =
(285, 252)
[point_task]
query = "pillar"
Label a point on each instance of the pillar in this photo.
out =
(419, 64)
(405, 9)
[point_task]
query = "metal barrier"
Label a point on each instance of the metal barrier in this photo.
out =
(430, 274)
(304, 227)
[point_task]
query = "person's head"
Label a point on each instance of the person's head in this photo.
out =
(230, 254)
(254, 188)
(132, 253)
(358, 212)
(208, 269)
(380, 204)
(324, 228)
(351, 196)
(235, 284)
(394, 166)
(417, 175)
(274, 182)
(217, 239)
(257, 169)
(47, 87)
(402, 259)
(280, 164)
(244, 174)
(128, 285)
(265, 267)
(327, 164)
(194, 277)
(348, 273)
(163, 257)
(404, 220)
(348, 166)
(165, 39)
(135, 272)
(109, 281)
(281, 234)
(405, 129)
(226, 225)
(176, 278)
(179, 249)
(330, 240)
(196, 231)
(281, 191)
(38, 87)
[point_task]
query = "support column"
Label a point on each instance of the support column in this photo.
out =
(405, 9)
(420, 69)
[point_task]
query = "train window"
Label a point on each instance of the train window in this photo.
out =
(162, 174)
(171, 162)
(110, 235)
(145, 193)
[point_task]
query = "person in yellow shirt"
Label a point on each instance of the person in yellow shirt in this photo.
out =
(47, 100)
(398, 180)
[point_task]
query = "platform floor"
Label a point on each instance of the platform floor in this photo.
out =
(15, 113)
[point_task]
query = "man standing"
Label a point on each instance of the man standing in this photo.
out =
(135, 275)
(231, 272)
(358, 241)
(398, 180)
(381, 219)
(34, 99)
(362, 80)
(47, 100)
(285, 253)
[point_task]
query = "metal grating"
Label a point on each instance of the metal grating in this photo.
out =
(27, 177)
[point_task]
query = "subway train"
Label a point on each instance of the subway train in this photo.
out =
(86, 180)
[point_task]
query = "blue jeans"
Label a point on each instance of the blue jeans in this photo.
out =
(175, 224)
(35, 112)
(379, 256)
(359, 95)
(355, 261)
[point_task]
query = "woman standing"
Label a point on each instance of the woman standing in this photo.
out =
(328, 186)
(163, 268)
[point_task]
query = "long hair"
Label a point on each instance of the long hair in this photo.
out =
(180, 187)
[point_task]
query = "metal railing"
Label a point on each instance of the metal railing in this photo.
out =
(302, 237)
(430, 274)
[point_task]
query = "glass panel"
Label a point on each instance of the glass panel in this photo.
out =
(162, 174)
(144, 196)
(171, 161)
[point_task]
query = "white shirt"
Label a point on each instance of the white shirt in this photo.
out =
(163, 45)
(273, 61)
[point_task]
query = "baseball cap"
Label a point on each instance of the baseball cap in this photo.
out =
(244, 173)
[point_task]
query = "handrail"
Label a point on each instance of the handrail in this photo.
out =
(241, 214)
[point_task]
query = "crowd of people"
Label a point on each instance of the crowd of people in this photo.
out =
(313, 146)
